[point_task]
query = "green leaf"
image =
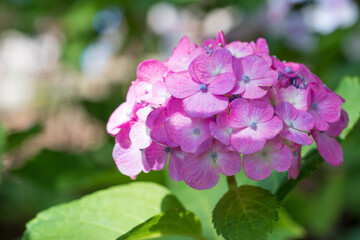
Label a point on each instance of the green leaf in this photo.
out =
(15, 140)
(105, 214)
(247, 212)
(170, 223)
(349, 88)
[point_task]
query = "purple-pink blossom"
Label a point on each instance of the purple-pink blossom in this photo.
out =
(223, 107)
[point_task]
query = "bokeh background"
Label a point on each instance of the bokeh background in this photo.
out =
(65, 65)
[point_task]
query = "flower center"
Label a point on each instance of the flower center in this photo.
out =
(167, 149)
(296, 153)
(203, 87)
(196, 131)
(290, 124)
(245, 79)
(253, 125)
(288, 69)
(314, 106)
(213, 155)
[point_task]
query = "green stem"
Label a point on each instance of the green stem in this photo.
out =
(312, 162)
(231, 181)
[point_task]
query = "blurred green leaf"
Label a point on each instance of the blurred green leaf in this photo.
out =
(286, 228)
(104, 214)
(246, 212)
(2, 146)
(349, 89)
(170, 223)
(14, 140)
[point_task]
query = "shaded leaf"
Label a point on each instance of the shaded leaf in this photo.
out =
(2, 146)
(104, 214)
(349, 89)
(170, 223)
(16, 139)
(247, 212)
(286, 228)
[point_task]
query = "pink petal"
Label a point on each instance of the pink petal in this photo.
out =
(120, 116)
(151, 70)
(260, 111)
(330, 108)
(238, 117)
(253, 91)
(228, 162)
(281, 160)
(287, 112)
(221, 58)
(255, 167)
(159, 135)
(140, 135)
(188, 132)
(269, 129)
(304, 121)
(204, 104)
(156, 118)
(202, 69)
(297, 97)
(175, 164)
(240, 49)
(262, 46)
(294, 170)
(200, 172)
(246, 141)
(297, 136)
(222, 84)
(328, 148)
(156, 156)
(220, 37)
(180, 85)
(220, 134)
(179, 59)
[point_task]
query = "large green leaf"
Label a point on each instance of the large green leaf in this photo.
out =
(170, 223)
(349, 88)
(105, 214)
(247, 212)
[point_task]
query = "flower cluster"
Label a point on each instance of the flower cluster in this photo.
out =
(217, 107)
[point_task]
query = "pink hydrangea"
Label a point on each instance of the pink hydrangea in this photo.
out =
(208, 105)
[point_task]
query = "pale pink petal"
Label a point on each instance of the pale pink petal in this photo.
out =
(221, 58)
(156, 156)
(328, 148)
(175, 164)
(179, 59)
(255, 167)
(297, 136)
(297, 97)
(200, 171)
(143, 113)
(253, 91)
(262, 46)
(330, 108)
(151, 70)
(274, 144)
(204, 104)
(240, 49)
(281, 160)
(180, 85)
(120, 116)
(202, 69)
(222, 84)
(221, 134)
(129, 161)
(228, 162)
(140, 135)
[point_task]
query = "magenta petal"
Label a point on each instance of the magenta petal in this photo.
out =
(175, 164)
(286, 111)
(281, 160)
(222, 84)
(228, 162)
(240, 49)
(297, 136)
(180, 85)
(269, 129)
(129, 161)
(221, 58)
(202, 69)
(200, 172)
(255, 167)
(120, 116)
(156, 157)
(159, 135)
(204, 104)
(156, 118)
(151, 70)
(220, 134)
(253, 91)
(328, 148)
(330, 108)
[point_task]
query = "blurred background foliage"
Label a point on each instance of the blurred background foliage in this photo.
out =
(66, 65)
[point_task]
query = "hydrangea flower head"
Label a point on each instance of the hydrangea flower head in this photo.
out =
(220, 108)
